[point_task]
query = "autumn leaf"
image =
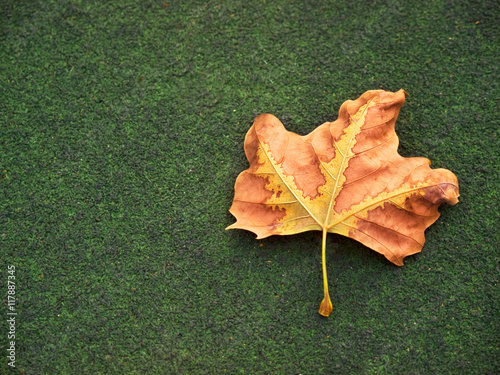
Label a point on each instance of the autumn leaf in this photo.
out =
(345, 177)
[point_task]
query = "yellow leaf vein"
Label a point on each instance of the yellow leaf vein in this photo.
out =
(271, 160)
(373, 238)
(393, 230)
(377, 202)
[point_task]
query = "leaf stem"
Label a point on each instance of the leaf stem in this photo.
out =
(326, 305)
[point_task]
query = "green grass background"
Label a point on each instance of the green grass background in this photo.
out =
(122, 128)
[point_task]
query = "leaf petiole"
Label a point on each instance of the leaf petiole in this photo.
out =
(326, 305)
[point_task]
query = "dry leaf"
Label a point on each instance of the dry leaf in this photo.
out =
(345, 177)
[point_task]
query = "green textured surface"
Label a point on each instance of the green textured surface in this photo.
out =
(121, 135)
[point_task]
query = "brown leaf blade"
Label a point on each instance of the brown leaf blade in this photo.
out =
(345, 177)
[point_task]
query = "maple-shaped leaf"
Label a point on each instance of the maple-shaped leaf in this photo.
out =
(345, 177)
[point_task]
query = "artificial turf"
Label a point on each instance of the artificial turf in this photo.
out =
(121, 134)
